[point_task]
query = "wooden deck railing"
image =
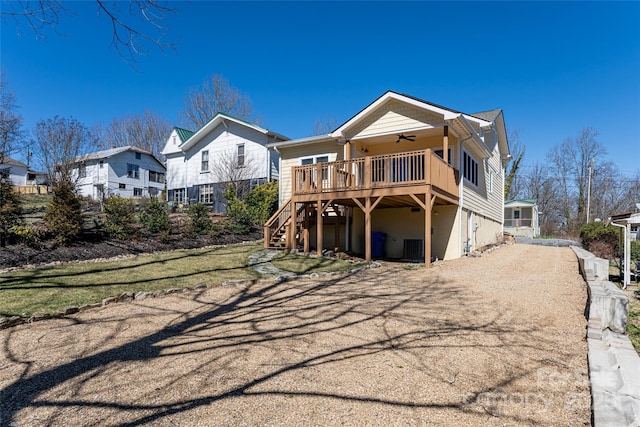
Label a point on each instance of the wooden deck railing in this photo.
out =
(390, 170)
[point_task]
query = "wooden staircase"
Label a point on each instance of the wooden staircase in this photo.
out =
(278, 229)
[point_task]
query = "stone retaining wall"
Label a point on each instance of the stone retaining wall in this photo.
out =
(614, 365)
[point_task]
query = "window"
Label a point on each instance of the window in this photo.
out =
(204, 165)
(133, 171)
(101, 164)
(178, 195)
(470, 169)
(240, 155)
(490, 181)
(312, 160)
(138, 156)
(206, 193)
(137, 192)
(156, 176)
(153, 192)
(122, 186)
(82, 171)
(316, 159)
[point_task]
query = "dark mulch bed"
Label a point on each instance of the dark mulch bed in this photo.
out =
(96, 246)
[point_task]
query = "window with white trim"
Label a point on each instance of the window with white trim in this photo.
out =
(206, 193)
(133, 171)
(137, 192)
(178, 195)
(470, 168)
(204, 164)
(82, 171)
(240, 155)
(490, 181)
(316, 159)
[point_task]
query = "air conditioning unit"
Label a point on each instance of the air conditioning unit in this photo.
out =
(413, 249)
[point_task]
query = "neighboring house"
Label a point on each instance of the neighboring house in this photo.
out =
(627, 222)
(18, 171)
(124, 171)
(201, 164)
(403, 178)
(521, 218)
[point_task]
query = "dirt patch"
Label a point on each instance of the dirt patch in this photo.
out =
(494, 340)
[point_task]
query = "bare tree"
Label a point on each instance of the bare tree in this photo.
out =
(543, 187)
(60, 140)
(147, 131)
(135, 24)
(323, 127)
(512, 179)
(215, 95)
(572, 160)
(236, 170)
(11, 131)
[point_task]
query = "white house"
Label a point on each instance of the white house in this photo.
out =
(18, 171)
(521, 218)
(403, 178)
(201, 164)
(124, 171)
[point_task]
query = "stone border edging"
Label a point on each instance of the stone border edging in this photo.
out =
(614, 365)
(280, 277)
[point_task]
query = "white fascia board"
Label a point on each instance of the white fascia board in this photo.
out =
(302, 141)
(447, 114)
(460, 118)
(214, 123)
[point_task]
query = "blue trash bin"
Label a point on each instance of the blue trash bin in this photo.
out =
(377, 244)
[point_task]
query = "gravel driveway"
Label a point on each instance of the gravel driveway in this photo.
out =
(495, 340)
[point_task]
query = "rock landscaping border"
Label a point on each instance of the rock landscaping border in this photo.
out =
(614, 365)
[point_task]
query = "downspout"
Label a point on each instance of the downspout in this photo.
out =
(626, 274)
(461, 197)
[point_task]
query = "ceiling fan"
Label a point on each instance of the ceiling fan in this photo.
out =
(405, 137)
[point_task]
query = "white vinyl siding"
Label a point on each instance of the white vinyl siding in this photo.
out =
(478, 198)
(395, 116)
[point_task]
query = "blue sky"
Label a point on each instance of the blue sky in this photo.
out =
(554, 68)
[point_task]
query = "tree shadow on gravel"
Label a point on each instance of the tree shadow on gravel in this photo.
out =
(303, 326)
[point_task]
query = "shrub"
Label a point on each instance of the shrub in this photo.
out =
(64, 215)
(155, 218)
(200, 221)
(119, 220)
(239, 215)
(29, 235)
(635, 250)
(262, 202)
(606, 236)
(10, 207)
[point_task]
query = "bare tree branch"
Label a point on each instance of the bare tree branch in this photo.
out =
(147, 131)
(11, 131)
(228, 168)
(215, 95)
(323, 127)
(60, 141)
(132, 29)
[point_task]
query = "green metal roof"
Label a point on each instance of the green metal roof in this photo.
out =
(184, 134)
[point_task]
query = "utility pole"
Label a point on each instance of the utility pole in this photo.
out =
(589, 189)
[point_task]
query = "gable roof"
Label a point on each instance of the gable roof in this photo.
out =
(463, 124)
(219, 119)
(183, 134)
(105, 154)
(13, 162)
(520, 202)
